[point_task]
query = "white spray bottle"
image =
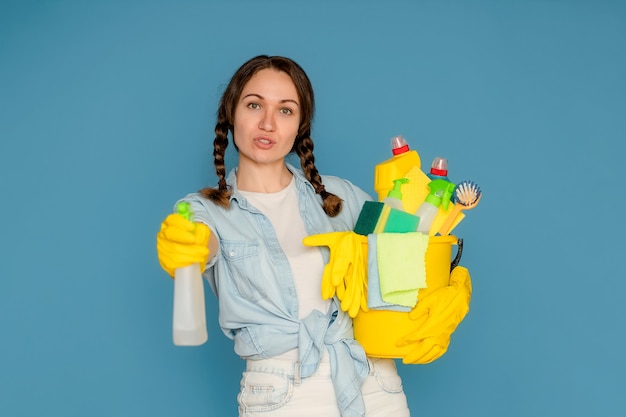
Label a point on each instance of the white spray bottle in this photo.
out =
(189, 321)
(441, 190)
(427, 211)
(394, 197)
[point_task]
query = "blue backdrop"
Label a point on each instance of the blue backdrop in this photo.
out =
(106, 118)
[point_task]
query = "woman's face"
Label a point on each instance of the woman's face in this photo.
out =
(267, 118)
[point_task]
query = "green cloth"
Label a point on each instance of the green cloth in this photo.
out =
(401, 266)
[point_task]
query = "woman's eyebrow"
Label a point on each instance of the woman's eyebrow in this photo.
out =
(260, 97)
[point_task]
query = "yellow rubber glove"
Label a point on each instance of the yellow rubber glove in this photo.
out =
(436, 317)
(345, 274)
(181, 242)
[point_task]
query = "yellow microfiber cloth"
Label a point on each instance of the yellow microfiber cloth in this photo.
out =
(401, 266)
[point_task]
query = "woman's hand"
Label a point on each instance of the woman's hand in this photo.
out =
(436, 317)
(181, 242)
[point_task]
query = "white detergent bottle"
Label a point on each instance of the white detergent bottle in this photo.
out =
(427, 211)
(189, 321)
(394, 196)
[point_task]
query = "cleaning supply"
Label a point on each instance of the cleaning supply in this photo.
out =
(379, 331)
(466, 196)
(435, 318)
(345, 274)
(401, 266)
(374, 297)
(439, 169)
(442, 217)
(369, 216)
(427, 212)
(415, 191)
(440, 192)
(442, 188)
(384, 217)
(189, 321)
(377, 217)
(181, 243)
(397, 166)
(399, 221)
(394, 196)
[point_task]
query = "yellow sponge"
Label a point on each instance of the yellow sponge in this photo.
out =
(415, 191)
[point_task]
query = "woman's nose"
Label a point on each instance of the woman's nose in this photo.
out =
(267, 121)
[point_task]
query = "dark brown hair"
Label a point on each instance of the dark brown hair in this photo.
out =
(303, 145)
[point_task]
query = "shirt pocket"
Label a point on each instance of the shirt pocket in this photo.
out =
(243, 263)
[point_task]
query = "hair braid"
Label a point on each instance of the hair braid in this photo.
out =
(332, 204)
(221, 194)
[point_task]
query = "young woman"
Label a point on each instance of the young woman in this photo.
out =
(301, 356)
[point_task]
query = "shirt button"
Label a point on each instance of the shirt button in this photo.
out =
(232, 253)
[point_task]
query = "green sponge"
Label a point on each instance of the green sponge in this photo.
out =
(400, 221)
(368, 218)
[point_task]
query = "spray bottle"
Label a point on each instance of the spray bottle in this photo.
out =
(440, 193)
(397, 166)
(189, 321)
(394, 197)
(440, 182)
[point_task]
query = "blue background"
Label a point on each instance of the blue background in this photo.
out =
(106, 118)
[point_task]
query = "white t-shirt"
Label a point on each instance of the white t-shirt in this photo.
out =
(307, 264)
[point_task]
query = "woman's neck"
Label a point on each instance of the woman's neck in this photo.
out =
(263, 178)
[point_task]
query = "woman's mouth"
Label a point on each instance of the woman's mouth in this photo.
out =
(264, 141)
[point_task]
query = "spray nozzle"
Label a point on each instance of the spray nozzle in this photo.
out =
(399, 145)
(442, 190)
(184, 209)
(395, 191)
(433, 199)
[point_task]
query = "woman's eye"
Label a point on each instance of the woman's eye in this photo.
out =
(253, 106)
(286, 110)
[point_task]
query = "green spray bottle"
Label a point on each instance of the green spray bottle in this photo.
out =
(440, 194)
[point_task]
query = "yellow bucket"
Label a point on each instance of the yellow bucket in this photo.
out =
(379, 330)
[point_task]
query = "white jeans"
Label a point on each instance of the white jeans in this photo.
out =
(268, 389)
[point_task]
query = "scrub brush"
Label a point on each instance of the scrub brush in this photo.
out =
(466, 196)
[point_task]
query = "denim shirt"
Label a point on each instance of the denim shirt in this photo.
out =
(252, 279)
